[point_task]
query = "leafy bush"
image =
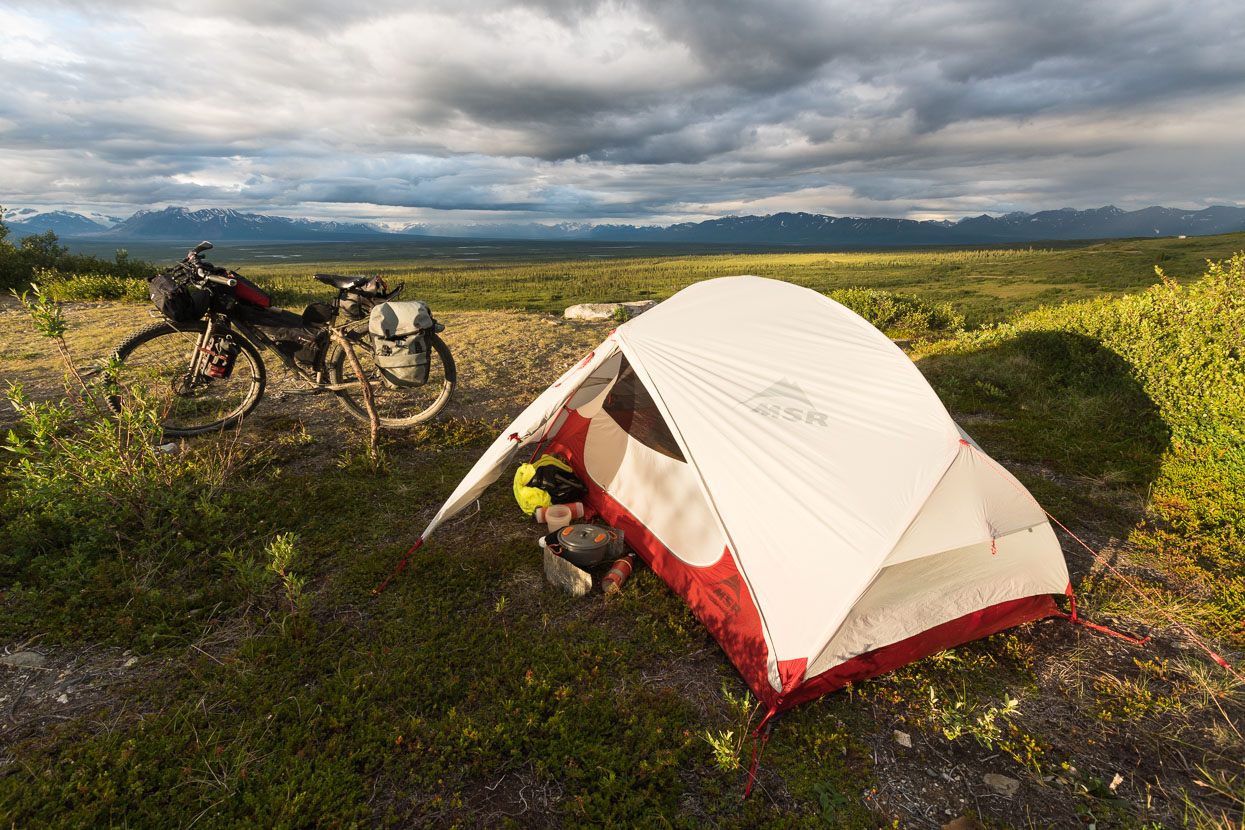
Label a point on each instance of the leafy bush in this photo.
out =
(1185, 348)
(104, 532)
(90, 286)
(899, 314)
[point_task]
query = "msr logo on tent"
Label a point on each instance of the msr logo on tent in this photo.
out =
(786, 401)
(725, 595)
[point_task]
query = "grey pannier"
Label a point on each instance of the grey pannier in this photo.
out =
(399, 342)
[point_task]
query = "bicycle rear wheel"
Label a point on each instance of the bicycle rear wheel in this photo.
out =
(153, 365)
(396, 407)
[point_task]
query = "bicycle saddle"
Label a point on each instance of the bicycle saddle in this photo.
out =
(339, 281)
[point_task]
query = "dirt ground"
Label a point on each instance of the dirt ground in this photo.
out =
(493, 351)
(495, 378)
(930, 781)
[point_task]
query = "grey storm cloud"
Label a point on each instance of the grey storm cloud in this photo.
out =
(603, 109)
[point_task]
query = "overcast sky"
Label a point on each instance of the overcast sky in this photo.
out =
(641, 112)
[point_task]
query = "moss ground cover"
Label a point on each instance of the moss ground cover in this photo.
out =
(468, 693)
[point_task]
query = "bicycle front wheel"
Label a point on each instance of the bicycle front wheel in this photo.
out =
(396, 407)
(153, 367)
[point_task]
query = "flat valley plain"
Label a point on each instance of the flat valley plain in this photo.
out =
(986, 283)
(185, 682)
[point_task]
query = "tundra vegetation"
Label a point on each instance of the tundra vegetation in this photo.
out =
(217, 655)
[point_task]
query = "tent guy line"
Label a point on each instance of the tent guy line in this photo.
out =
(1102, 560)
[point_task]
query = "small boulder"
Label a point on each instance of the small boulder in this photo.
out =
(607, 311)
(24, 659)
(1001, 784)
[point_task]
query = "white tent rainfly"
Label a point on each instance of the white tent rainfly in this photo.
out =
(787, 470)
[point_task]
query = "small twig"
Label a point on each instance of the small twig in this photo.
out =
(1231, 725)
(205, 654)
(20, 693)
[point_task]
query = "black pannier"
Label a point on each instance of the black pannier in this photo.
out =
(318, 314)
(177, 299)
(357, 303)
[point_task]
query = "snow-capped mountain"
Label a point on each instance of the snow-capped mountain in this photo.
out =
(778, 229)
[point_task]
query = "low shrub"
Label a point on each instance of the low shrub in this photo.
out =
(91, 286)
(1184, 346)
(897, 314)
(106, 532)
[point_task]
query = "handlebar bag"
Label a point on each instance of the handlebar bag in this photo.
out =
(176, 299)
(399, 342)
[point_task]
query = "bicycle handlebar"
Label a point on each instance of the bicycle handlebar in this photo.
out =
(229, 281)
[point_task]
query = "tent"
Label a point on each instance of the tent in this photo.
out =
(787, 470)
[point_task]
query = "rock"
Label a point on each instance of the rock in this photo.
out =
(591, 311)
(607, 311)
(638, 307)
(24, 659)
(902, 738)
(1001, 784)
(64, 698)
(963, 823)
(566, 576)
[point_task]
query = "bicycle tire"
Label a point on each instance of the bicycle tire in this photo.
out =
(392, 405)
(158, 358)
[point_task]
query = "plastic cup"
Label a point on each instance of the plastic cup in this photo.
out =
(558, 516)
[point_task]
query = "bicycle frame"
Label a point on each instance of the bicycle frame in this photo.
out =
(262, 341)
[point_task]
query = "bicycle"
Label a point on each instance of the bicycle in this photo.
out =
(204, 361)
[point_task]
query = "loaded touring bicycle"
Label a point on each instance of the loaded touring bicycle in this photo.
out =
(203, 361)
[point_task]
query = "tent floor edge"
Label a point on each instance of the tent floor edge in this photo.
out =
(972, 626)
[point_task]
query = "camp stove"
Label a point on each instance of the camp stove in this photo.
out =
(586, 545)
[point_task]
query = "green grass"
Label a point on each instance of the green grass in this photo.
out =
(983, 284)
(470, 694)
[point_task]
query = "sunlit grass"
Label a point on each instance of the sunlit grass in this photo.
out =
(984, 284)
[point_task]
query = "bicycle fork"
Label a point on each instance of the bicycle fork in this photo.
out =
(213, 355)
(202, 352)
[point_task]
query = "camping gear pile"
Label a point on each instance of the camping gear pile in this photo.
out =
(786, 469)
(572, 550)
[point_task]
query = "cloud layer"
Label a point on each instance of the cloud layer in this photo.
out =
(640, 111)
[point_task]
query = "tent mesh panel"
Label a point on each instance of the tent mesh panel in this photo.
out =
(632, 407)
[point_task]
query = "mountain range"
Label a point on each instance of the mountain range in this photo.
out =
(805, 229)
